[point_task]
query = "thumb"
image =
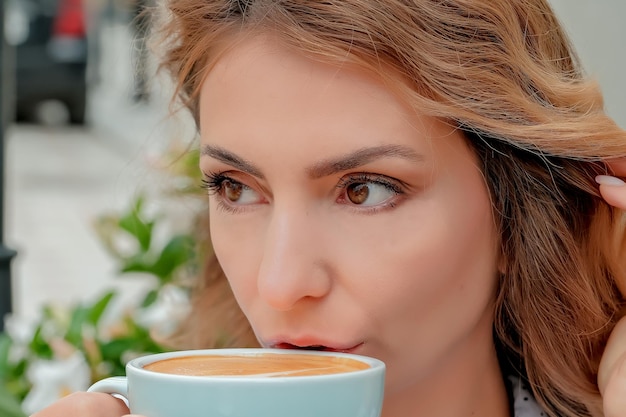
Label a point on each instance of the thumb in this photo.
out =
(612, 372)
(614, 395)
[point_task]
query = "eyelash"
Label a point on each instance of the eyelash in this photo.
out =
(366, 177)
(214, 183)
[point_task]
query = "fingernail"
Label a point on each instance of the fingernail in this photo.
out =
(609, 180)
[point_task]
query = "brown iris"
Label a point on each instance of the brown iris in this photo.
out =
(358, 193)
(232, 191)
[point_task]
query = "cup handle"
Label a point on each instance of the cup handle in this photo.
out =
(114, 385)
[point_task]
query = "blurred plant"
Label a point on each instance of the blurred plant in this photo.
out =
(63, 352)
(164, 263)
(68, 348)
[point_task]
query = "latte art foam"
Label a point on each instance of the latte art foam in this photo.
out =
(264, 365)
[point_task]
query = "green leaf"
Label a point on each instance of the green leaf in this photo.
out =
(19, 370)
(137, 263)
(39, 346)
(74, 333)
(133, 223)
(9, 405)
(150, 298)
(5, 348)
(95, 312)
(178, 251)
(114, 349)
(18, 386)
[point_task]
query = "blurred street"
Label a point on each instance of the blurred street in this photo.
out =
(60, 178)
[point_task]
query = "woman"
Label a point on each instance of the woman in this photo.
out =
(411, 180)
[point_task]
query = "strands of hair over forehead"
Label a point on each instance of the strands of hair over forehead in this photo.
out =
(502, 71)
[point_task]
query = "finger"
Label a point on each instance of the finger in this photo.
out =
(614, 352)
(614, 399)
(612, 370)
(82, 404)
(613, 190)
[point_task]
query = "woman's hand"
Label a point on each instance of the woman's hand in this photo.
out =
(613, 188)
(83, 404)
(612, 371)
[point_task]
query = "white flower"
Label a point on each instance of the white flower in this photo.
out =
(164, 315)
(21, 332)
(54, 379)
(20, 329)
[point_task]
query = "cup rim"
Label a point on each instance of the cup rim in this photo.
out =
(137, 365)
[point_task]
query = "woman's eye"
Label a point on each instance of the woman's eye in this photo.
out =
(238, 193)
(230, 191)
(369, 193)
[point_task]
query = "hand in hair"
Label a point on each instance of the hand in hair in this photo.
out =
(613, 189)
(612, 371)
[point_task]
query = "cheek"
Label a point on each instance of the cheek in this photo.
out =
(427, 259)
(428, 283)
(237, 245)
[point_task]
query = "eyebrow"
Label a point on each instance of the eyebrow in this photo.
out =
(325, 167)
(231, 159)
(361, 157)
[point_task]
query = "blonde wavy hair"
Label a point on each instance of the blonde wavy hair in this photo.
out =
(504, 72)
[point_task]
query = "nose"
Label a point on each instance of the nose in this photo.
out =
(293, 267)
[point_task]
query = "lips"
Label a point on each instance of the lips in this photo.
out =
(316, 347)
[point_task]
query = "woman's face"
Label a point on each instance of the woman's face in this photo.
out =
(342, 219)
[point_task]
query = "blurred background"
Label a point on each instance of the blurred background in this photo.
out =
(91, 263)
(86, 129)
(91, 122)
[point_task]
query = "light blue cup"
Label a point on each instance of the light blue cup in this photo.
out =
(153, 394)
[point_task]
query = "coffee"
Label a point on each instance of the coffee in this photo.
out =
(261, 365)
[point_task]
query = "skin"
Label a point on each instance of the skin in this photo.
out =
(298, 250)
(421, 298)
(612, 370)
(616, 194)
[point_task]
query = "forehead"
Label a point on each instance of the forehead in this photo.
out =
(260, 73)
(268, 103)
